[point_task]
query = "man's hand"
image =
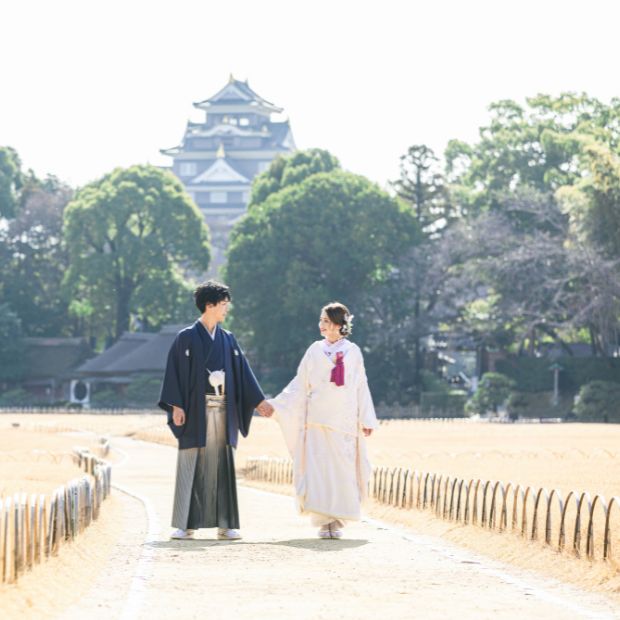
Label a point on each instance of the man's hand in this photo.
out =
(367, 431)
(265, 409)
(178, 416)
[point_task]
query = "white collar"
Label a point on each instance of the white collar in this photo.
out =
(331, 348)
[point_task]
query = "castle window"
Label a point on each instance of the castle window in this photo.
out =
(244, 122)
(219, 197)
(187, 169)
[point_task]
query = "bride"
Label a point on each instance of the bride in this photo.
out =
(324, 413)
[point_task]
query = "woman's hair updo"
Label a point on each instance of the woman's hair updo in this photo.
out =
(339, 314)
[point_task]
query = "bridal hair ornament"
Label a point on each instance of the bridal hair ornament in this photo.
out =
(347, 328)
(216, 379)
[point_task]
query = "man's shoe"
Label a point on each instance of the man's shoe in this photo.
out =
(228, 534)
(182, 534)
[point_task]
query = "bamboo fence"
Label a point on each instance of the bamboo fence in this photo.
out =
(533, 513)
(34, 527)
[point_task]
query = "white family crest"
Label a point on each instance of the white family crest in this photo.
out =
(186, 352)
(216, 379)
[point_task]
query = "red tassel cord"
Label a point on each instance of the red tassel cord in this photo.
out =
(338, 370)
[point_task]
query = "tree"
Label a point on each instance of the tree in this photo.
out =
(592, 203)
(599, 400)
(33, 260)
(131, 238)
(333, 236)
(525, 146)
(11, 345)
(11, 180)
(493, 391)
(420, 274)
(290, 170)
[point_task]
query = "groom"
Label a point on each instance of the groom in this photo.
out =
(209, 392)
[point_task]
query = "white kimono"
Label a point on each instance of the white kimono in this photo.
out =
(322, 426)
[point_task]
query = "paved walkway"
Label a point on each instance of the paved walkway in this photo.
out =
(280, 570)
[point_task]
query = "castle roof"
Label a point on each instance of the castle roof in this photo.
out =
(221, 171)
(237, 93)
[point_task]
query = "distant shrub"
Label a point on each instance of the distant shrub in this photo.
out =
(107, 398)
(537, 405)
(143, 391)
(16, 398)
(533, 374)
(443, 404)
(599, 401)
(493, 391)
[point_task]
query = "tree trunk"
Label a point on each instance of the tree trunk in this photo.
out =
(418, 361)
(123, 298)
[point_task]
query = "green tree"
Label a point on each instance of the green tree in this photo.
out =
(291, 170)
(33, 260)
(131, 237)
(11, 180)
(524, 146)
(598, 401)
(493, 391)
(539, 194)
(11, 345)
(592, 203)
(333, 236)
(421, 187)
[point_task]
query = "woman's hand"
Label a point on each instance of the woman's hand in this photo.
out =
(265, 409)
(367, 431)
(178, 416)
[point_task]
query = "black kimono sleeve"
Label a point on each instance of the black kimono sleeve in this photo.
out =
(174, 389)
(249, 392)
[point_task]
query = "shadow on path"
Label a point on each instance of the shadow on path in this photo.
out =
(301, 543)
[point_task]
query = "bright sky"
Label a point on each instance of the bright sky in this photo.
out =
(88, 85)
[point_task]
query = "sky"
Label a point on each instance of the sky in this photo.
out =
(89, 85)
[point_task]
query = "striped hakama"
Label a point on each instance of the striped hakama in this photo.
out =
(205, 493)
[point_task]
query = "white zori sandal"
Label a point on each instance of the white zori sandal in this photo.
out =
(336, 532)
(182, 534)
(331, 530)
(324, 532)
(228, 534)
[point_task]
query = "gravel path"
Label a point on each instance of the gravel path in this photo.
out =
(280, 570)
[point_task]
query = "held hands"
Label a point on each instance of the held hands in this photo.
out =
(265, 409)
(367, 431)
(178, 416)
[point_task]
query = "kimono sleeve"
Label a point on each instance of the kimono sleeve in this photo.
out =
(176, 375)
(251, 393)
(366, 408)
(290, 406)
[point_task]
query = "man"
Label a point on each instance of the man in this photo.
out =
(209, 392)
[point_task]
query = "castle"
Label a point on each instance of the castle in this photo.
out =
(217, 159)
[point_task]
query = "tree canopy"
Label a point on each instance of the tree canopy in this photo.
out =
(332, 236)
(11, 180)
(132, 237)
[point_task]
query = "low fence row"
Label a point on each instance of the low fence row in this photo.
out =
(33, 527)
(533, 513)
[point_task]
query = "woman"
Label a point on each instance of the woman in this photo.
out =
(324, 413)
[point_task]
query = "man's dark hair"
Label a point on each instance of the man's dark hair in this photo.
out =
(210, 293)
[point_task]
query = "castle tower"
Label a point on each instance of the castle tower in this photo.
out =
(217, 159)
